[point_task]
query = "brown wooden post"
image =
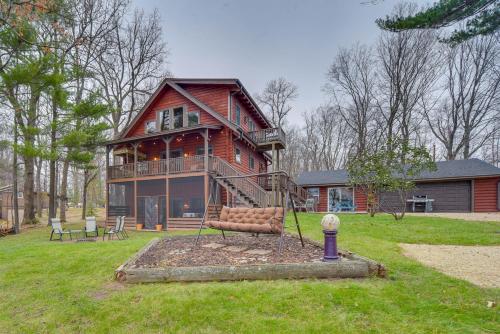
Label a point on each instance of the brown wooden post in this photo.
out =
(167, 140)
(273, 176)
(108, 149)
(204, 134)
(135, 145)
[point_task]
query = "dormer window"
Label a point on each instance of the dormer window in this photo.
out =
(238, 115)
(150, 126)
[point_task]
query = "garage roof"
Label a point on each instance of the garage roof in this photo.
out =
(452, 169)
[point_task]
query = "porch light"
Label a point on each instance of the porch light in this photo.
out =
(330, 224)
(155, 158)
(185, 155)
(186, 206)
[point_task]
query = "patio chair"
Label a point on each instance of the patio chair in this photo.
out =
(117, 230)
(91, 227)
(58, 229)
(310, 205)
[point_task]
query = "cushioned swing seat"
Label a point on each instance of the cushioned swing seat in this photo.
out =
(252, 220)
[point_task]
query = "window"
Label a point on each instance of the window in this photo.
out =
(178, 117)
(238, 115)
(313, 193)
(200, 150)
(237, 155)
(340, 199)
(164, 119)
(20, 194)
(251, 162)
(193, 118)
(150, 126)
(251, 125)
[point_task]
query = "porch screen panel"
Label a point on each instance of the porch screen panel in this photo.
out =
(121, 199)
(187, 197)
(151, 198)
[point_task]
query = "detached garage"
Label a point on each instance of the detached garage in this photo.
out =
(469, 185)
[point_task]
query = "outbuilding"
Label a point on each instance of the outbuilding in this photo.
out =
(470, 185)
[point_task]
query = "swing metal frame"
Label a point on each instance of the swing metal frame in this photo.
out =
(212, 200)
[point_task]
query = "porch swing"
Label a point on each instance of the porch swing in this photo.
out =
(255, 220)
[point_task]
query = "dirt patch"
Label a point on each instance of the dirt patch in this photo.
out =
(479, 265)
(107, 289)
(234, 250)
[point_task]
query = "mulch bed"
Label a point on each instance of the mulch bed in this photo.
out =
(236, 249)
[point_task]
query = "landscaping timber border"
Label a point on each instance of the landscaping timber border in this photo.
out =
(349, 266)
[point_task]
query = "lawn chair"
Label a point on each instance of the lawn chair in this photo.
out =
(58, 229)
(122, 231)
(91, 227)
(310, 205)
(115, 230)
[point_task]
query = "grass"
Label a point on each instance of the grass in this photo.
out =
(52, 287)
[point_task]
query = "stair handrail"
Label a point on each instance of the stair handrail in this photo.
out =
(242, 181)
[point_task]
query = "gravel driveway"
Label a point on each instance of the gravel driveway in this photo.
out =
(479, 265)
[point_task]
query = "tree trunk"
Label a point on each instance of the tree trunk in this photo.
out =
(29, 191)
(52, 165)
(84, 196)
(15, 202)
(63, 201)
(39, 203)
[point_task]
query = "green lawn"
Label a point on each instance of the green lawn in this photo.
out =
(52, 287)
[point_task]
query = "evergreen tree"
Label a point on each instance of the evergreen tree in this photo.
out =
(481, 17)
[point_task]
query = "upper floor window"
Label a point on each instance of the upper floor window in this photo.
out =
(150, 126)
(193, 118)
(178, 114)
(251, 162)
(251, 125)
(164, 119)
(238, 115)
(237, 155)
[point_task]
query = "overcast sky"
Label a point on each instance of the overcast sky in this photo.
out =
(258, 40)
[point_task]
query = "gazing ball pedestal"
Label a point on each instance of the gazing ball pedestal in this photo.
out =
(330, 224)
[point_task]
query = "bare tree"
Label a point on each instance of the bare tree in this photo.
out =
(351, 83)
(276, 99)
(130, 66)
(467, 115)
(408, 69)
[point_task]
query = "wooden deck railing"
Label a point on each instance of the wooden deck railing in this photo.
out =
(121, 171)
(268, 135)
(190, 164)
(240, 181)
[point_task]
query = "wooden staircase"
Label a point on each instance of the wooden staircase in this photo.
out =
(251, 193)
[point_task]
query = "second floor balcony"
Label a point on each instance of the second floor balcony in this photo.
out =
(192, 164)
(266, 138)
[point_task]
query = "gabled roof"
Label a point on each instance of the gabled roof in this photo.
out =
(446, 170)
(176, 83)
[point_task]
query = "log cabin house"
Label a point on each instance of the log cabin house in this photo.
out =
(469, 185)
(189, 136)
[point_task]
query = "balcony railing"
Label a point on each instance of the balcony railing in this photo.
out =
(190, 164)
(267, 136)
